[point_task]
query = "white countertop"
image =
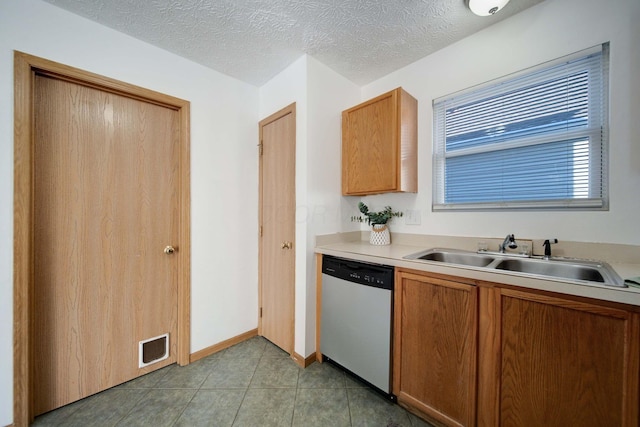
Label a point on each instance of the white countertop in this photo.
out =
(393, 255)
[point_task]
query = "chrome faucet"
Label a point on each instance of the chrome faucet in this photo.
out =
(510, 241)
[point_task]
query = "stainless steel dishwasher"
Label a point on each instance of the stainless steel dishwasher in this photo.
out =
(356, 323)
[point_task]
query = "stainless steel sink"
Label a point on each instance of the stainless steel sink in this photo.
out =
(452, 256)
(563, 268)
(567, 270)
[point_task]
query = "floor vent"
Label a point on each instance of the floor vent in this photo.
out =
(153, 350)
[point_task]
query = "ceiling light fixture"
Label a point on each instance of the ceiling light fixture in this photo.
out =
(486, 7)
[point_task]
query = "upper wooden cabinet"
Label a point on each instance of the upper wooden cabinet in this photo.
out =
(379, 145)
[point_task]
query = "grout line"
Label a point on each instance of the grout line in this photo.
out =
(143, 395)
(246, 389)
(295, 398)
(346, 392)
(293, 410)
(185, 408)
(244, 395)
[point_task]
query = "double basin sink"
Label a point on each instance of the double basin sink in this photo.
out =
(562, 268)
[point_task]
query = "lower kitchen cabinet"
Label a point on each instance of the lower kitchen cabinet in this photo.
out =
(555, 361)
(435, 347)
(475, 353)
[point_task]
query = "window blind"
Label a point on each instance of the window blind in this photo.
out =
(537, 139)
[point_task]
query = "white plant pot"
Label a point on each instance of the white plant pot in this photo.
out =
(380, 235)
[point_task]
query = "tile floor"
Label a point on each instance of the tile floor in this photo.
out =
(253, 383)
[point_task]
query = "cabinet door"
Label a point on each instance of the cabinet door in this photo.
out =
(435, 348)
(370, 146)
(564, 363)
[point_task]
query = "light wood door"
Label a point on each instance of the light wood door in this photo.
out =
(105, 206)
(559, 362)
(435, 347)
(277, 225)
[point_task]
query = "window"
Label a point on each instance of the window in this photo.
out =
(534, 140)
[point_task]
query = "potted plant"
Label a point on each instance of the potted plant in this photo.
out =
(378, 220)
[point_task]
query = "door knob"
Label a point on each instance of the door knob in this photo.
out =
(169, 250)
(287, 245)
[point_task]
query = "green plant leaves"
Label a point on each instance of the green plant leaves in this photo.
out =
(374, 218)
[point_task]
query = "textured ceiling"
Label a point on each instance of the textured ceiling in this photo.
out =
(253, 40)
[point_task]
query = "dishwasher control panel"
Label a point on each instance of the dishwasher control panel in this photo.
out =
(379, 276)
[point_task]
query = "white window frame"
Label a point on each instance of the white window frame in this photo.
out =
(596, 132)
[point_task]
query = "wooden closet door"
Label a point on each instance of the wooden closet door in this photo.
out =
(106, 205)
(277, 219)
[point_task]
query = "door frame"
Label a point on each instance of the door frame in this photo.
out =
(289, 109)
(25, 68)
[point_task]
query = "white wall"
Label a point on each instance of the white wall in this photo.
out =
(224, 113)
(547, 31)
(328, 95)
